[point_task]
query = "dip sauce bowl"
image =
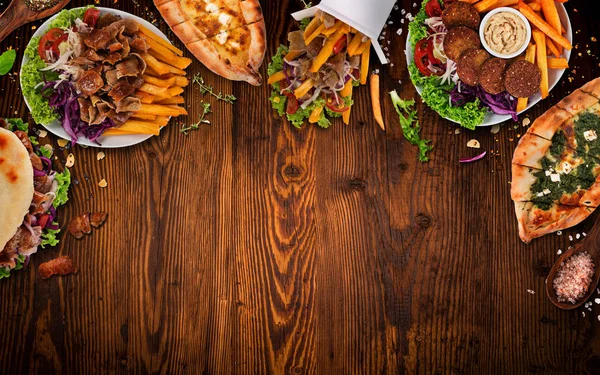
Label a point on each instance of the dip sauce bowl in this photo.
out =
(486, 20)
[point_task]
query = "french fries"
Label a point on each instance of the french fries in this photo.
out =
(529, 56)
(557, 63)
(552, 47)
(172, 100)
(543, 26)
(279, 76)
(375, 101)
(153, 89)
(315, 115)
(364, 64)
(501, 3)
(164, 54)
(141, 116)
(133, 126)
(160, 40)
(159, 110)
(347, 93)
(326, 51)
(542, 62)
(482, 5)
(312, 27)
(168, 82)
(304, 88)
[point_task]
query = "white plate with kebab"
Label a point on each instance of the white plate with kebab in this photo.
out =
(87, 73)
(447, 94)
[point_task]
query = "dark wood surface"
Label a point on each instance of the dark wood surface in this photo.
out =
(251, 247)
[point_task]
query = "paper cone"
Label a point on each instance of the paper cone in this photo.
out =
(367, 16)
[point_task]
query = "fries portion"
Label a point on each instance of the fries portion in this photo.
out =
(320, 83)
(164, 80)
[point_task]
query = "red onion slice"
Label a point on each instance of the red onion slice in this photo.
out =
(474, 158)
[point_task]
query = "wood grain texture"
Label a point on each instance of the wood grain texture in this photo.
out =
(250, 247)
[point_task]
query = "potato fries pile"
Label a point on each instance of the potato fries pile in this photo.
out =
(547, 36)
(304, 76)
(164, 80)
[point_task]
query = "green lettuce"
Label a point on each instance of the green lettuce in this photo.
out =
(5, 271)
(435, 94)
(49, 237)
(17, 124)
(409, 122)
(278, 102)
(64, 181)
(66, 17)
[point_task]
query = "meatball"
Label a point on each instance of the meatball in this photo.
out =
(522, 79)
(469, 64)
(458, 40)
(491, 75)
(461, 14)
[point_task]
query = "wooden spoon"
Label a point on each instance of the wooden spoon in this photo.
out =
(18, 14)
(591, 244)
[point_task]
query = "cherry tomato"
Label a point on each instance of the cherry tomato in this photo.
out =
(292, 103)
(433, 8)
(43, 220)
(48, 40)
(91, 17)
(340, 44)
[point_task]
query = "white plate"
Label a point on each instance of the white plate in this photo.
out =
(113, 141)
(553, 74)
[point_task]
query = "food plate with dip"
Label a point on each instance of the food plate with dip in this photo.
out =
(554, 75)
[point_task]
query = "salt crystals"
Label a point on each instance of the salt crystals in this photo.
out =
(574, 277)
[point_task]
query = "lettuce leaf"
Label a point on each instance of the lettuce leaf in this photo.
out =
(64, 181)
(5, 271)
(49, 237)
(278, 102)
(17, 124)
(409, 122)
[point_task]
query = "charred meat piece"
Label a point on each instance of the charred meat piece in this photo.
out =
(35, 159)
(43, 183)
(98, 39)
(296, 39)
(491, 75)
(80, 225)
(469, 64)
(93, 56)
(459, 40)
(138, 44)
(129, 104)
(39, 203)
(60, 266)
(121, 90)
(111, 77)
(106, 20)
(90, 83)
(130, 27)
(461, 14)
(522, 79)
(128, 68)
(113, 58)
(98, 218)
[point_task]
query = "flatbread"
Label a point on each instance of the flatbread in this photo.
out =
(534, 222)
(547, 124)
(227, 36)
(556, 165)
(16, 185)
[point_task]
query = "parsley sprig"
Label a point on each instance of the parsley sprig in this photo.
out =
(201, 119)
(204, 88)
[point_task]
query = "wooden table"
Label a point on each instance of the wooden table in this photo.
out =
(251, 247)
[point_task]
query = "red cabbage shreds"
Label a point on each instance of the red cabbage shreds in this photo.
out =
(501, 104)
(63, 99)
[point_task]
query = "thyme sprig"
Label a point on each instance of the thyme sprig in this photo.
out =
(201, 119)
(204, 89)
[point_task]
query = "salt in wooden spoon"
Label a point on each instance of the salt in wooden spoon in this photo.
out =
(591, 244)
(18, 14)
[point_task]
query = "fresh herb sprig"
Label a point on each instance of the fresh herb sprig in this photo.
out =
(306, 4)
(204, 89)
(201, 119)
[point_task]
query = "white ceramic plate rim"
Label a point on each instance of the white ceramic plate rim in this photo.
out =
(113, 141)
(554, 75)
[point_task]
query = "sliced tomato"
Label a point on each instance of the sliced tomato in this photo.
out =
(340, 44)
(335, 108)
(48, 40)
(43, 220)
(421, 58)
(433, 8)
(57, 42)
(91, 17)
(430, 55)
(292, 103)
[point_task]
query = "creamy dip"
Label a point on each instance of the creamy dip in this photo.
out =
(505, 33)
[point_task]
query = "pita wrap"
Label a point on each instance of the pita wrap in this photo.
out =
(16, 185)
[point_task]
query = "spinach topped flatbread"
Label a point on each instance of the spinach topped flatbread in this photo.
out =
(556, 166)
